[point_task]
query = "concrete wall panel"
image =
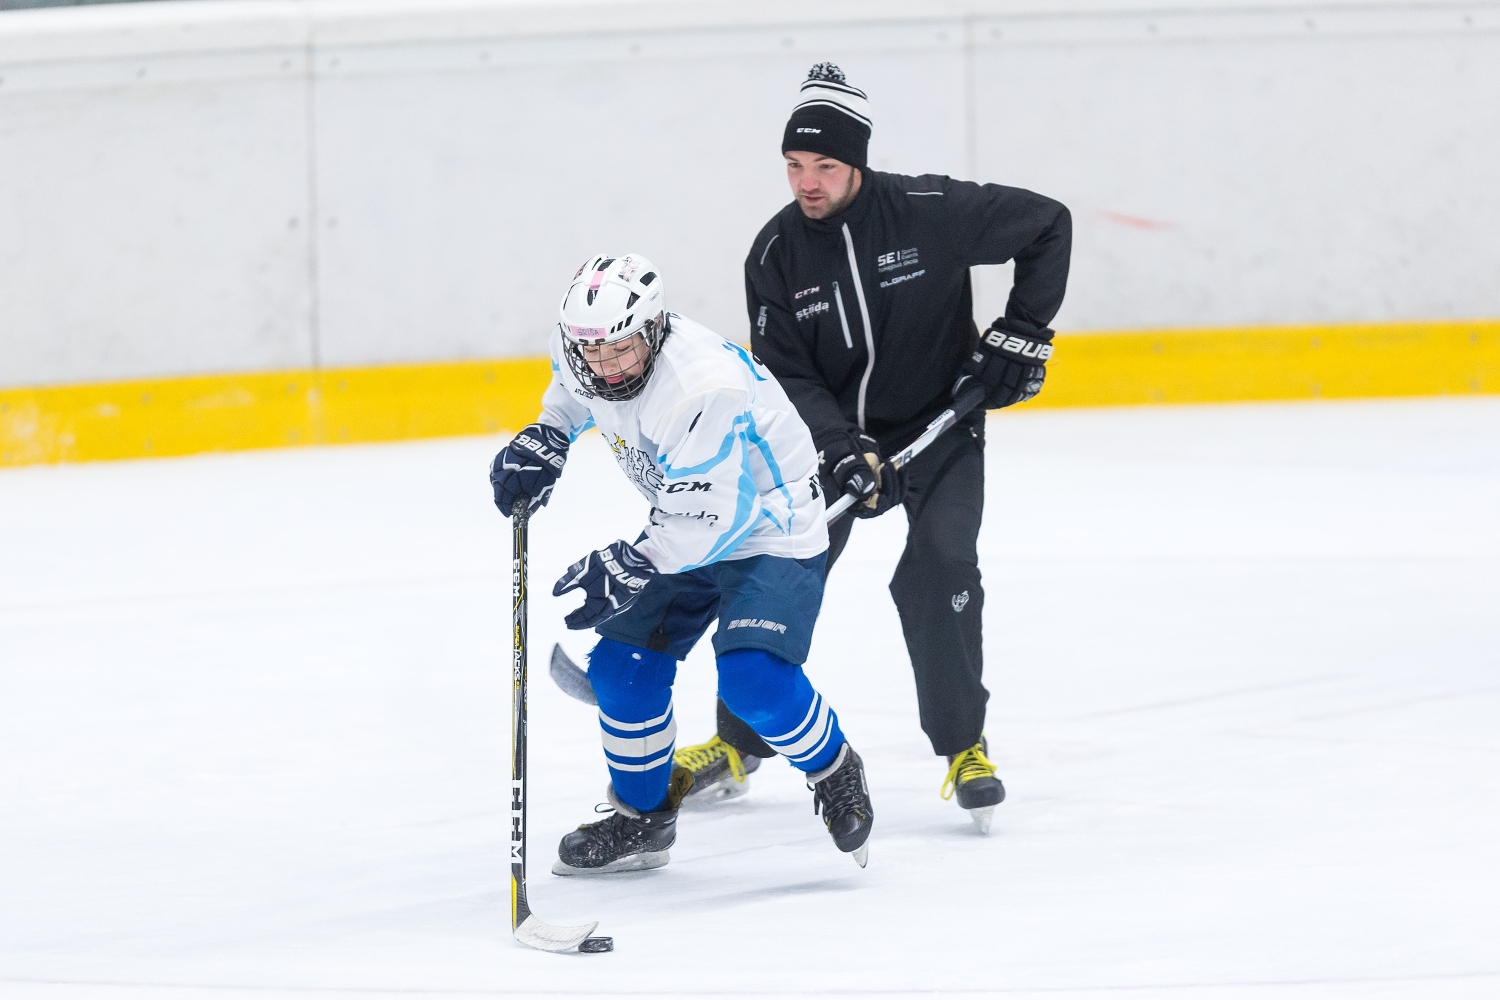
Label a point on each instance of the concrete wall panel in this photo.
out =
(1227, 165)
(152, 228)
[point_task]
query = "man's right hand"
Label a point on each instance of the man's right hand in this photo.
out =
(853, 465)
(528, 467)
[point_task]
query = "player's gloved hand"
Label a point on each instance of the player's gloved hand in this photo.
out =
(528, 467)
(854, 466)
(1009, 361)
(611, 579)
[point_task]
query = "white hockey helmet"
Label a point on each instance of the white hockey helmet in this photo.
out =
(612, 299)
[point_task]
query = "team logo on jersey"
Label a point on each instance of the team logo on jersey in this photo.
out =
(689, 487)
(636, 464)
(807, 291)
(807, 312)
(960, 601)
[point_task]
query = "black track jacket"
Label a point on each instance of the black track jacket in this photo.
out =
(864, 317)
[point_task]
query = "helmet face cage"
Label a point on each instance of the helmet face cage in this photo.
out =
(613, 312)
(647, 342)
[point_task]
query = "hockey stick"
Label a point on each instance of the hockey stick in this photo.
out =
(961, 408)
(574, 680)
(569, 676)
(525, 925)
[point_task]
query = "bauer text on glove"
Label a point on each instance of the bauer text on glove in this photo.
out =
(611, 579)
(1009, 360)
(528, 467)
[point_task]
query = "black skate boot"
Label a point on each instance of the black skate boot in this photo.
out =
(626, 840)
(720, 772)
(842, 796)
(971, 775)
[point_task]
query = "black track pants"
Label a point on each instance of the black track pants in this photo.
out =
(937, 592)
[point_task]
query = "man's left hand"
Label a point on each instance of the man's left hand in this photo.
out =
(611, 579)
(1009, 361)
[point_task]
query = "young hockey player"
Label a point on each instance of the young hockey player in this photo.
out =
(736, 532)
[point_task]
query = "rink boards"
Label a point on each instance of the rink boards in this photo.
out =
(233, 412)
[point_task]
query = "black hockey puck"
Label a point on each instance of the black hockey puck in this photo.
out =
(593, 945)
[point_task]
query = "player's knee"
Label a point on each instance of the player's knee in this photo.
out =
(754, 683)
(931, 579)
(622, 674)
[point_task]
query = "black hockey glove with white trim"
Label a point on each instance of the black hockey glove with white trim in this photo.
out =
(852, 465)
(611, 579)
(1009, 361)
(528, 467)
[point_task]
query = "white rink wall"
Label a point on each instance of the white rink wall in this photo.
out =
(225, 185)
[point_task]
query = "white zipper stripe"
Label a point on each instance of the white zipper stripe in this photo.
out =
(843, 319)
(864, 315)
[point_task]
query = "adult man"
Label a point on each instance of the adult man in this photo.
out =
(736, 533)
(860, 304)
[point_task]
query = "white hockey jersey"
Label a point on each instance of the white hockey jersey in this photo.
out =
(714, 445)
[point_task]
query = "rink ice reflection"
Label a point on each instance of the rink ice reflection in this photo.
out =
(1244, 676)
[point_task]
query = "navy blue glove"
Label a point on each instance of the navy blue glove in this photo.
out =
(1008, 360)
(611, 579)
(528, 467)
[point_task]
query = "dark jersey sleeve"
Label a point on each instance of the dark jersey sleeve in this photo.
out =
(776, 341)
(993, 224)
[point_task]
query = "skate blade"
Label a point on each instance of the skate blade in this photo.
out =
(719, 791)
(981, 818)
(546, 937)
(633, 863)
(861, 854)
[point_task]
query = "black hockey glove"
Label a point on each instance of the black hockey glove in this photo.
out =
(853, 466)
(1008, 360)
(611, 579)
(528, 467)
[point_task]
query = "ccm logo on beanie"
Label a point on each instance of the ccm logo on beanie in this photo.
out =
(831, 118)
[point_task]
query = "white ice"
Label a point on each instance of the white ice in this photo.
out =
(1246, 700)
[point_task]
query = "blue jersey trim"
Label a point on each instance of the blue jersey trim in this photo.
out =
(573, 432)
(766, 455)
(746, 357)
(725, 447)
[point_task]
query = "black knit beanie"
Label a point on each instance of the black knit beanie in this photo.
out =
(831, 118)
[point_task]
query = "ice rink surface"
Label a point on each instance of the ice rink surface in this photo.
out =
(1245, 664)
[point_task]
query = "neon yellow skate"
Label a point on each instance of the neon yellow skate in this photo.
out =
(971, 775)
(720, 772)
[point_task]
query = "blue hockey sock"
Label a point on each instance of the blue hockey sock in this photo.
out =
(634, 687)
(778, 701)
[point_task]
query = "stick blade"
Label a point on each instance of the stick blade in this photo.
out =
(571, 677)
(545, 937)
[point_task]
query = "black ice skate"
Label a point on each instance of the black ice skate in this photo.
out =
(971, 776)
(626, 840)
(841, 795)
(720, 772)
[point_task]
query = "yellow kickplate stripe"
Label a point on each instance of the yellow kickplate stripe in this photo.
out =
(1457, 357)
(184, 416)
(187, 415)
